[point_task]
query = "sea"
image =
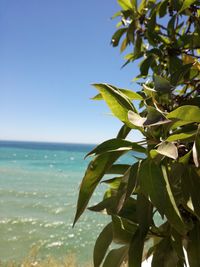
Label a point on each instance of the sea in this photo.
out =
(39, 184)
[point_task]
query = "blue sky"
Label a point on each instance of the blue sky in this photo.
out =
(51, 51)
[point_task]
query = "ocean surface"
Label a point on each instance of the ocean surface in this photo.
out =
(39, 185)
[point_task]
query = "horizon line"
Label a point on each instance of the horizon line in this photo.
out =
(47, 142)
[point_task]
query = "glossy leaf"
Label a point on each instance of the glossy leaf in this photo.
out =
(102, 244)
(127, 185)
(153, 184)
(186, 113)
(168, 149)
(130, 94)
(180, 136)
(155, 117)
(94, 173)
(116, 145)
(136, 119)
(118, 103)
(117, 36)
(125, 4)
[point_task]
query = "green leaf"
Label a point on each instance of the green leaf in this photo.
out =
(162, 85)
(125, 4)
(145, 65)
(113, 183)
(186, 4)
(117, 36)
(196, 149)
(116, 145)
(107, 204)
(135, 119)
(180, 136)
(118, 169)
(123, 230)
(144, 209)
(155, 185)
(124, 44)
(193, 248)
(164, 254)
(154, 117)
(116, 257)
(171, 26)
(168, 149)
(138, 47)
(130, 94)
(191, 183)
(136, 249)
(94, 173)
(127, 185)
(178, 76)
(102, 244)
(163, 8)
(118, 103)
(186, 113)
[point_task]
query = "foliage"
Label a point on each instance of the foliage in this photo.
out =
(165, 37)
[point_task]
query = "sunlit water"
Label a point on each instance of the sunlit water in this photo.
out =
(38, 193)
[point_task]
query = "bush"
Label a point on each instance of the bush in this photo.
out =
(165, 36)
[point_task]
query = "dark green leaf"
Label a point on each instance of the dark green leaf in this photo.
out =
(155, 185)
(127, 185)
(178, 76)
(102, 244)
(117, 36)
(154, 117)
(193, 249)
(138, 47)
(163, 8)
(175, 64)
(123, 230)
(191, 183)
(136, 249)
(94, 173)
(162, 85)
(171, 26)
(145, 65)
(164, 254)
(116, 145)
(116, 257)
(118, 169)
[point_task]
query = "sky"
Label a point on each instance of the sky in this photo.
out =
(51, 51)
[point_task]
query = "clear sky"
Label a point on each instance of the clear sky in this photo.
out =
(50, 53)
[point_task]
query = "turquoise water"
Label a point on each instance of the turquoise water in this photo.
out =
(38, 192)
